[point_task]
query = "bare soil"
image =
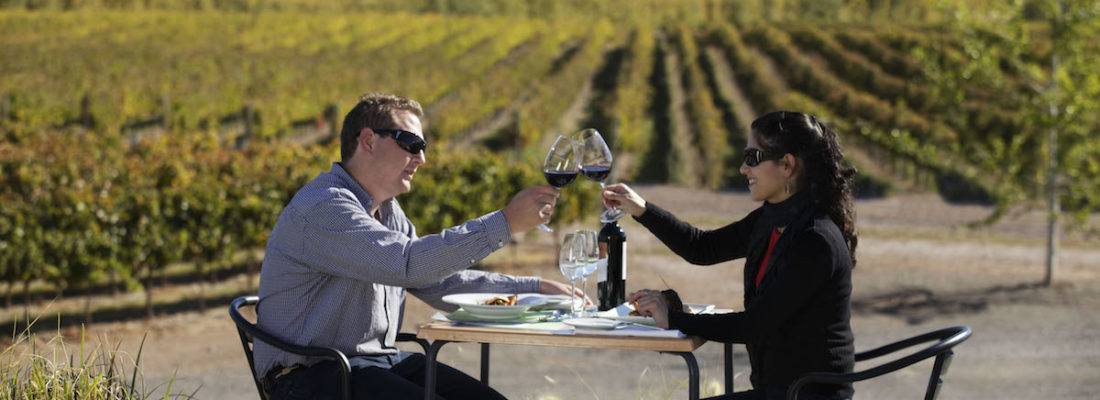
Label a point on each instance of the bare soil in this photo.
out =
(919, 269)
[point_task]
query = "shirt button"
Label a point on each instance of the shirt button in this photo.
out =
(472, 261)
(500, 243)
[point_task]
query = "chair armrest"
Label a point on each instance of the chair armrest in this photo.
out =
(411, 337)
(258, 334)
(947, 337)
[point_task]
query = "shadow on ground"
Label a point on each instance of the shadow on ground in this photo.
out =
(917, 305)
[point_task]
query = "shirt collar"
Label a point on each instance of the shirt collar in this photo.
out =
(384, 209)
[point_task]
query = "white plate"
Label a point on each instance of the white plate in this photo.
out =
(474, 303)
(592, 323)
(553, 302)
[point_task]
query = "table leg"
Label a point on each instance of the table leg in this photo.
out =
(485, 363)
(430, 370)
(728, 356)
(693, 374)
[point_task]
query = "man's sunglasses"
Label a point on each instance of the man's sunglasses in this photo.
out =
(755, 156)
(408, 141)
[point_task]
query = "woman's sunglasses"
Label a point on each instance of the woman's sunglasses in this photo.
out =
(755, 156)
(408, 141)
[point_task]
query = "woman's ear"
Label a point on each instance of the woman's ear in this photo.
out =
(789, 164)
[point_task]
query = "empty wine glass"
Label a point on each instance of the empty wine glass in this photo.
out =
(596, 165)
(560, 167)
(568, 259)
(589, 254)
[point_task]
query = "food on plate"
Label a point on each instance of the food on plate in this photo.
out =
(501, 301)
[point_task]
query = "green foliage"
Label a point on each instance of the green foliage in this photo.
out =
(85, 196)
(1064, 102)
(539, 113)
(455, 187)
(628, 127)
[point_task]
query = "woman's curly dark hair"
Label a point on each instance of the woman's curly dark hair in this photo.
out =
(824, 173)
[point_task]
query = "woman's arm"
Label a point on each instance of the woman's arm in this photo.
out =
(809, 267)
(698, 246)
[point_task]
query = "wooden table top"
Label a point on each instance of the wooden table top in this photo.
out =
(441, 330)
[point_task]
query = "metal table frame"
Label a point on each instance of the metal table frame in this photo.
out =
(442, 333)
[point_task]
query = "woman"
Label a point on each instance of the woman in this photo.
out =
(799, 249)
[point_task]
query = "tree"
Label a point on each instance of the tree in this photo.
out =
(1050, 47)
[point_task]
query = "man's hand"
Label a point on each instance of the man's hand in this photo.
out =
(552, 287)
(623, 197)
(530, 207)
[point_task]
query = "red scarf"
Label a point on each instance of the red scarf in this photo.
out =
(767, 255)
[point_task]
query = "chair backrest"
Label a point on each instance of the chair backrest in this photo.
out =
(945, 339)
(246, 338)
(249, 333)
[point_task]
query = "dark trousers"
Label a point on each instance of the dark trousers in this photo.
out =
(403, 380)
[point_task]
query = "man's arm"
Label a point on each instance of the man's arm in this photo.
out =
(341, 239)
(474, 281)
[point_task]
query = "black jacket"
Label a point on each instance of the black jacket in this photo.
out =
(797, 320)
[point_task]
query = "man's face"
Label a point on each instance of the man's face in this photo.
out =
(395, 165)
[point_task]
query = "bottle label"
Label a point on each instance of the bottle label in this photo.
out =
(624, 260)
(601, 270)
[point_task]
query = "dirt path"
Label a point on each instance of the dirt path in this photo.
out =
(730, 90)
(570, 120)
(690, 171)
(918, 271)
(770, 69)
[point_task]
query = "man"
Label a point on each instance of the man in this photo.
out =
(343, 254)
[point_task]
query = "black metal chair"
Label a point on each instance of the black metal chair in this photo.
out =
(249, 332)
(946, 339)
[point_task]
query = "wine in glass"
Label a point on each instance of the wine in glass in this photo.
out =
(596, 165)
(560, 167)
(589, 254)
(570, 265)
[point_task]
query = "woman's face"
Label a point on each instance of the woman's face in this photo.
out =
(767, 180)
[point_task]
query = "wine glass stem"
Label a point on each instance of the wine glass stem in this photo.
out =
(584, 292)
(604, 186)
(548, 229)
(572, 295)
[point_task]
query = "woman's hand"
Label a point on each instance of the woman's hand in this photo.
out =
(624, 198)
(651, 303)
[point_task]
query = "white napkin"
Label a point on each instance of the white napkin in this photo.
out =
(634, 330)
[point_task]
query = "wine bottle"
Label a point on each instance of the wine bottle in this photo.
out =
(611, 284)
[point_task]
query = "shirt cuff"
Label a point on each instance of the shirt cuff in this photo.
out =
(528, 284)
(496, 229)
(676, 320)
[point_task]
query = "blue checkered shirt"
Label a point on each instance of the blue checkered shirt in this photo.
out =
(335, 276)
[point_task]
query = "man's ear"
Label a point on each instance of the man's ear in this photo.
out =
(367, 140)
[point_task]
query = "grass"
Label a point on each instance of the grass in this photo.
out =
(33, 368)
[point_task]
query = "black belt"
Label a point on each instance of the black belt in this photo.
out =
(278, 372)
